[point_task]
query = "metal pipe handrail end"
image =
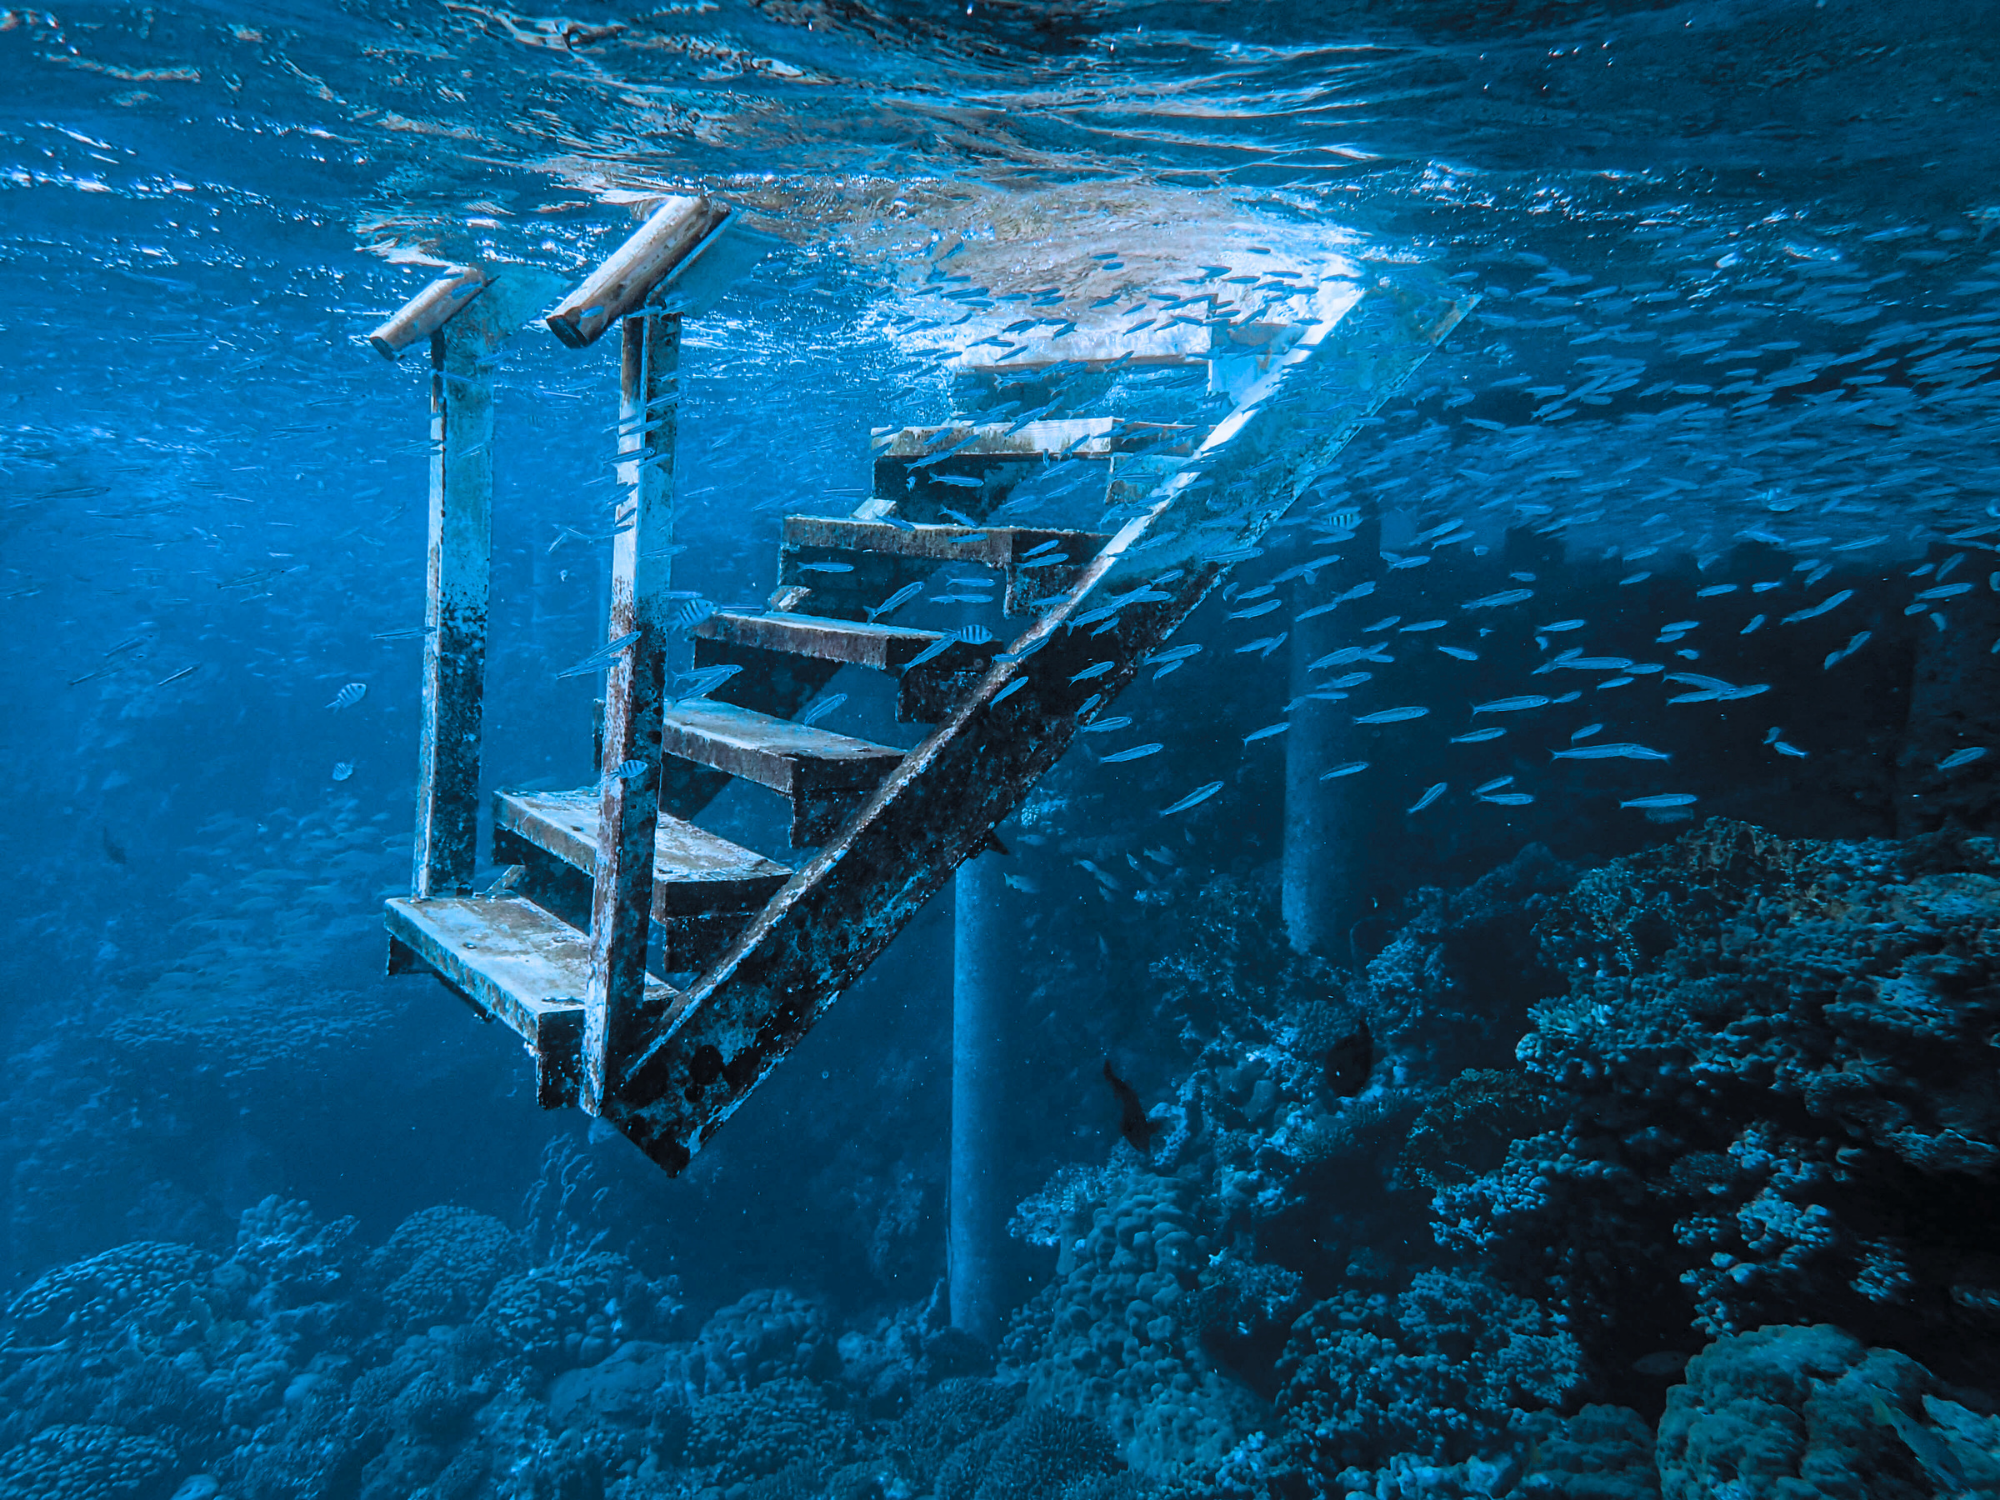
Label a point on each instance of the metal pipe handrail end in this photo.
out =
(428, 311)
(630, 273)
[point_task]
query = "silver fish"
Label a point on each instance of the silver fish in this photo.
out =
(1494, 601)
(896, 600)
(1431, 794)
(706, 681)
(1511, 705)
(1137, 752)
(821, 709)
(1193, 799)
(1261, 607)
(1712, 689)
(1832, 601)
(600, 656)
(1393, 715)
(1349, 654)
(1621, 751)
(1575, 663)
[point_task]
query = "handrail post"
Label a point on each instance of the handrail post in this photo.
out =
(455, 611)
(628, 288)
(621, 903)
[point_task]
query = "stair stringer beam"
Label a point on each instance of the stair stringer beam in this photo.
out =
(739, 1019)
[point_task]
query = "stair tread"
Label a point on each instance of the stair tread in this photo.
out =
(1075, 437)
(1178, 344)
(882, 648)
(990, 546)
(693, 870)
(513, 960)
(778, 753)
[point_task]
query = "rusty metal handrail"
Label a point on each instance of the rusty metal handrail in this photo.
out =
(660, 246)
(428, 311)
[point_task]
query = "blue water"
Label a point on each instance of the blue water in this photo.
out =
(1631, 1084)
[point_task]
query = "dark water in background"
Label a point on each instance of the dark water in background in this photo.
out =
(1740, 322)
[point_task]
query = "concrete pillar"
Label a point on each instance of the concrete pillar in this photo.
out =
(1326, 843)
(983, 989)
(1954, 705)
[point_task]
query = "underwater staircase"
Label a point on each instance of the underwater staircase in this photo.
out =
(766, 947)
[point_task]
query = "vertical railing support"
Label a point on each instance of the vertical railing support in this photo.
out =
(629, 806)
(461, 512)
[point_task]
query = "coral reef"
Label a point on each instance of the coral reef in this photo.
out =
(441, 1263)
(1367, 1253)
(575, 1310)
(1601, 1453)
(766, 1335)
(1792, 1413)
(951, 1413)
(1111, 1337)
(442, 1365)
(1455, 1368)
(140, 1283)
(1295, 1111)
(1771, 1090)
(83, 1462)
(1039, 1452)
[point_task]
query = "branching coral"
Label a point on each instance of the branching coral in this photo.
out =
(1039, 1452)
(1449, 1370)
(773, 1334)
(441, 1263)
(1112, 1338)
(574, 1311)
(740, 1434)
(1773, 1061)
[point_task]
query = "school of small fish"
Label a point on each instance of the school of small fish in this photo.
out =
(1742, 432)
